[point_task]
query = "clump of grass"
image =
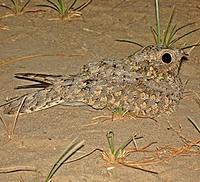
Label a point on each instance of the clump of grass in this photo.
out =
(66, 10)
(71, 149)
(159, 155)
(119, 112)
(169, 38)
(17, 6)
(118, 155)
(115, 155)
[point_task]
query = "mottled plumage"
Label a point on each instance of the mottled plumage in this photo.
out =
(146, 83)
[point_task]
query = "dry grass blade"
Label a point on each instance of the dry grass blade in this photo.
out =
(139, 167)
(187, 148)
(83, 6)
(10, 133)
(182, 36)
(184, 150)
(25, 5)
(191, 46)
(5, 126)
(194, 124)
(7, 7)
(179, 134)
(17, 115)
(129, 41)
(17, 169)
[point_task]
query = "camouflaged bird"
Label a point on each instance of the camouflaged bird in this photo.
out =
(146, 83)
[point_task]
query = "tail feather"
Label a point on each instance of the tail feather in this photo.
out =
(35, 101)
(40, 85)
(41, 78)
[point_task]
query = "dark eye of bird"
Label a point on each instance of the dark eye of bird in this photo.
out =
(167, 58)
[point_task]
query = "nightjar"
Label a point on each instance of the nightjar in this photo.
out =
(146, 83)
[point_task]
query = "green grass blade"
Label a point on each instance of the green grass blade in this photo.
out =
(171, 35)
(71, 6)
(68, 152)
(167, 32)
(157, 12)
(179, 29)
(110, 138)
(25, 5)
(123, 146)
(183, 36)
(155, 35)
(61, 6)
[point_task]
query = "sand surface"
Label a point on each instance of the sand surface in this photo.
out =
(33, 42)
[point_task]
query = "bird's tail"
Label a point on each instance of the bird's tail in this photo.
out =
(35, 101)
(42, 78)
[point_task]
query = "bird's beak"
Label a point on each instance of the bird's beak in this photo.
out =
(185, 58)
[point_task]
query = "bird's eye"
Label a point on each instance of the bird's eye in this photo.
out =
(167, 58)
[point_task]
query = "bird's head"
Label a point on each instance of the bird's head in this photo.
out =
(159, 61)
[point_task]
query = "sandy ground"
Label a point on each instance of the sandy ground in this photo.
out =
(33, 43)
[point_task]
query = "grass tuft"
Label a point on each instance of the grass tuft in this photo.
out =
(115, 154)
(119, 111)
(157, 156)
(17, 6)
(119, 155)
(66, 9)
(169, 37)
